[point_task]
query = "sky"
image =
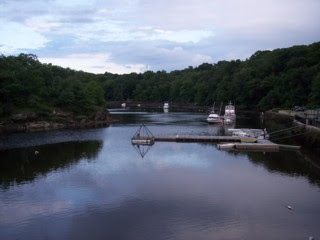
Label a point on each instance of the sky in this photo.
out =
(124, 36)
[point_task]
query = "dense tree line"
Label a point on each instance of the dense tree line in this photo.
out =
(268, 79)
(28, 85)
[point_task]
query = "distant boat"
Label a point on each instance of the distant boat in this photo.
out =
(226, 146)
(230, 112)
(238, 132)
(166, 106)
(214, 117)
(123, 105)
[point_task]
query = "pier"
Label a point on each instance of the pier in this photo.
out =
(196, 138)
(241, 140)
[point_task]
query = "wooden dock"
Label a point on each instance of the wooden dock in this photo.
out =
(196, 138)
(261, 145)
(249, 140)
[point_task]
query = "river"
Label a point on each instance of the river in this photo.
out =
(93, 184)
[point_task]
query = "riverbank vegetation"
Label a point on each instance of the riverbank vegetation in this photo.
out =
(268, 79)
(28, 85)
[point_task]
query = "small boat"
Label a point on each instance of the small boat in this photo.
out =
(229, 112)
(144, 141)
(240, 133)
(123, 105)
(226, 146)
(214, 117)
(166, 106)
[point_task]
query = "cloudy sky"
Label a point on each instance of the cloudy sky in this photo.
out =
(123, 36)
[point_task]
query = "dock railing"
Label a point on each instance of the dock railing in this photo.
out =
(309, 117)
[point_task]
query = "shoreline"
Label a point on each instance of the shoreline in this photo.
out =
(172, 106)
(31, 122)
(312, 136)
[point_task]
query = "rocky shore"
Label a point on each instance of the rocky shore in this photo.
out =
(58, 119)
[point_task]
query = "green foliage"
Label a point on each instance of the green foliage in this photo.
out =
(268, 79)
(25, 83)
(315, 92)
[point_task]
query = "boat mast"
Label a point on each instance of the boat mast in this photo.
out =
(220, 109)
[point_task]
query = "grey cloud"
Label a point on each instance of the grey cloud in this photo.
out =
(113, 28)
(76, 18)
(158, 55)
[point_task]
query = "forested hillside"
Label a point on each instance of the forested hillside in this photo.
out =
(268, 79)
(28, 85)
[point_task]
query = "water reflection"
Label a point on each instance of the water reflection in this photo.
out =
(177, 191)
(288, 163)
(23, 164)
(142, 149)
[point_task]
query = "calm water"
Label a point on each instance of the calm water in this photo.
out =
(93, 184)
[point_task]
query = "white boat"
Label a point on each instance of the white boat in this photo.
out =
(166, 106)
(230, 112)
(226, 146)
(214, 117)
(240, 134)
(136, 141)
(123, 105)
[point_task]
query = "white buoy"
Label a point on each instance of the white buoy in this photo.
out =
(36, 152)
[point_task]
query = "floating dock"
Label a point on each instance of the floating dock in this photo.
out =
(195, 138)
(239, 143)
(245, 140)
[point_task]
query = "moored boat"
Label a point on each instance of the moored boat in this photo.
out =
(226, 146)
(214, 117)
(230, 112)
(166, 106)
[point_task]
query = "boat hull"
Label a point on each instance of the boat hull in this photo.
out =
(214, 120)
(226, 146)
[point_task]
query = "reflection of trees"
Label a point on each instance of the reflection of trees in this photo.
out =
(288, 163)
(22, 164)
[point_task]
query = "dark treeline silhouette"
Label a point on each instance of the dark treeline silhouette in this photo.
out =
(28, 85)
(268, 79)
(23, 165)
